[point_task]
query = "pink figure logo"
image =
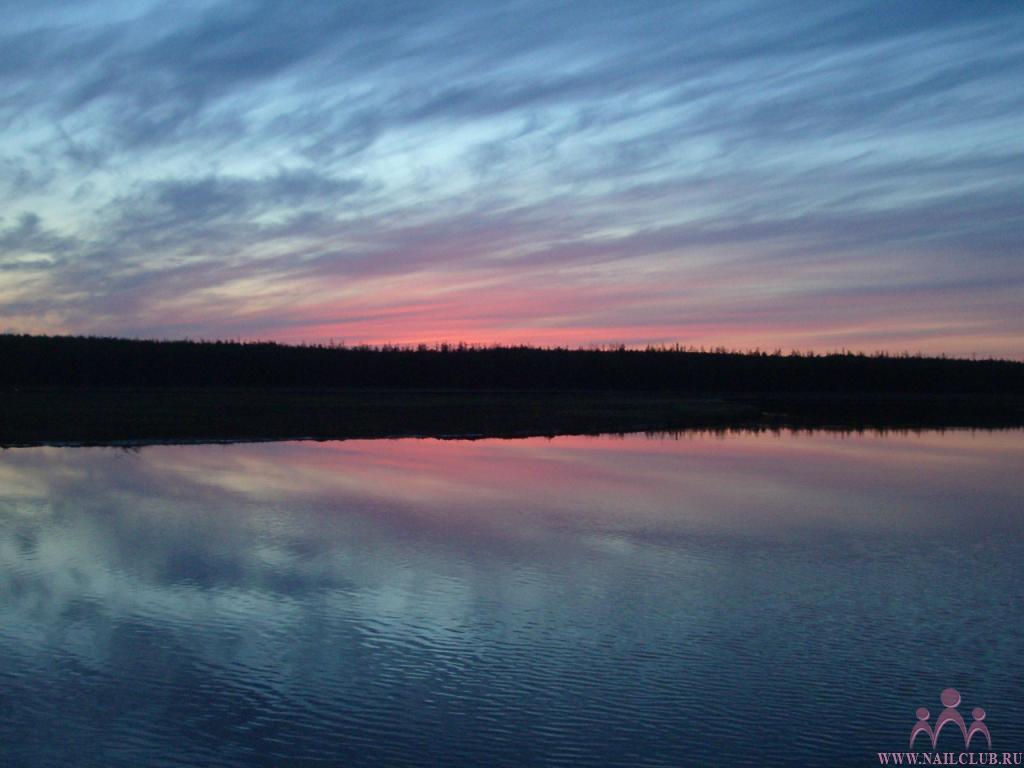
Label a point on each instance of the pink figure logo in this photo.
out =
(950, 699)
(978, 727)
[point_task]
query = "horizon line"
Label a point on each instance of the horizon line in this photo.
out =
(461, 346)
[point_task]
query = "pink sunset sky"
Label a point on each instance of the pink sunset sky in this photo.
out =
(835, 176)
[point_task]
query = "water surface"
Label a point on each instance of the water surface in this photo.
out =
(703, 599)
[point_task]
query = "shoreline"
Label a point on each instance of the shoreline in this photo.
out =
(137, 417)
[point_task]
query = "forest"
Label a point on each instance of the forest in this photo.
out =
(93, 362)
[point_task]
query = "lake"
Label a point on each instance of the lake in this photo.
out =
(694, 599)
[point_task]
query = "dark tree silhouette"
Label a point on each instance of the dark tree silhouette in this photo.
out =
(91, 362)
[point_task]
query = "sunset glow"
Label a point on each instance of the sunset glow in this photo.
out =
(822, 176)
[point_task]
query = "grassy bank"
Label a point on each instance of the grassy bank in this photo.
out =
(96, 416)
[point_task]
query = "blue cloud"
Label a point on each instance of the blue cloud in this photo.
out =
(153, 156)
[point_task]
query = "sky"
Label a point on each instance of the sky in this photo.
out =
(826, 176)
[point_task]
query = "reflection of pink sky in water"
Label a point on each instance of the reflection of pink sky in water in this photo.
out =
(697, 482)
(407, 519)
(625, 580)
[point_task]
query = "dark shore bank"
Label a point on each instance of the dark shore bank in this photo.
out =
(99, 390)
(139, 416)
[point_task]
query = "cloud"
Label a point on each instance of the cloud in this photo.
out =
(268, 159)
(26, 244)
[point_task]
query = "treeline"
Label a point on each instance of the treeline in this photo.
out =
(86, 362)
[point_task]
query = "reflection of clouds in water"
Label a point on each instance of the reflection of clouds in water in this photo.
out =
(515, 490)
(128, 538)
(186, 529)
(18, 481)
(344, 587)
